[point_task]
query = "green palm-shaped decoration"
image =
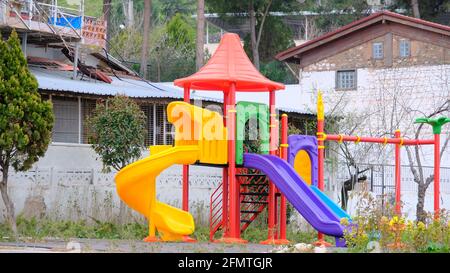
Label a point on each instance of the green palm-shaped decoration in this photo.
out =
(436, 123)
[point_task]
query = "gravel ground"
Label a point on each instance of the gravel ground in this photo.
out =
(94, 245)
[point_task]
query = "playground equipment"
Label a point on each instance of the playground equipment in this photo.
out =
(136, 182)
(251, 180)
(398, 141)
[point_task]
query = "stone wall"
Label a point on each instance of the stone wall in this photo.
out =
(361, 56)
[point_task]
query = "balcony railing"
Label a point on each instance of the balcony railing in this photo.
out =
(69, 20)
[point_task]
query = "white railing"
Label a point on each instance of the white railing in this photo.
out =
(61, 16)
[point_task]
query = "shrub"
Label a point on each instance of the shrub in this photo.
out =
(117, 132)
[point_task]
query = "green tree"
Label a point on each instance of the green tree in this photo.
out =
(168, 8)
(337, 13)
(117, 132)
(200, 41)
(276, 38)
(425, 9)
(257, 11)
(171, 60)
(26, 120)
(180, 33)
(277, 71)
(146, 37)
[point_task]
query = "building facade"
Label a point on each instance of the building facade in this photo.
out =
(380, 73)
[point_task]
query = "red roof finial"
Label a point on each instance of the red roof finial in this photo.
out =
(229, 64)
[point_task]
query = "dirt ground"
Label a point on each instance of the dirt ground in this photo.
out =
(93, 245)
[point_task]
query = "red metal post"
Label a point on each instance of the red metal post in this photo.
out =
(185, 201)
(225, 222)
(380, 140)
(321, 156)
(437, 166)
(225, 185)
(272, 190)
(234, 231)
(284, 155)
(397, 174)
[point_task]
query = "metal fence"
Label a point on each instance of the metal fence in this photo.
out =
(381, 178)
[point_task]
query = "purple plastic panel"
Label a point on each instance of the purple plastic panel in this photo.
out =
(297, 192)
(309, 145)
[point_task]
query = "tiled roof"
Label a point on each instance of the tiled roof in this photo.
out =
(371, 19)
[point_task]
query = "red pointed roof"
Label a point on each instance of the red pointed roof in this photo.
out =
(229, 64)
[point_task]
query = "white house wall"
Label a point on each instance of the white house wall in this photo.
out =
(423, 88)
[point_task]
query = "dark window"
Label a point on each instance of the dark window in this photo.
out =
(346, 79)
(405, 48)
(159, 130)
(66, 127)
(87, 108)
(148, 111)
(377, 50)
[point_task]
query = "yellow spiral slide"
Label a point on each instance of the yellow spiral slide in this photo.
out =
(136, 183)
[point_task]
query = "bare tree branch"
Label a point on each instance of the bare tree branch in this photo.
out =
(258, 40)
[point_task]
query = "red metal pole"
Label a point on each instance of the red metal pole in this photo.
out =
(437, 167)
(321, 147)
(225, 207)
(225, 222)
(397, 175)
(284, 155)
(380, 140)
(185, 201)
(234, 233)
(272, 150)
(321, 156)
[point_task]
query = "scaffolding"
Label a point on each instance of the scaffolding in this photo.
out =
(48, 24)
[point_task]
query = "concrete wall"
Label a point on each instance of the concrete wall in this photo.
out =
(68, 183)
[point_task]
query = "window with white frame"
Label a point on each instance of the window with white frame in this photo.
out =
(405, 48)
(377, 50)
(346, 79)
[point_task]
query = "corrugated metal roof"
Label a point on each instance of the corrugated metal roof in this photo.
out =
(292, 99)
(61, 81)
(289, 100)
(56, 80)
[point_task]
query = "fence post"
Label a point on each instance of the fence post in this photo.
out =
(382, 189)
(371, 178)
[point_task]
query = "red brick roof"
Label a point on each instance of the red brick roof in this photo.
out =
(371, 19)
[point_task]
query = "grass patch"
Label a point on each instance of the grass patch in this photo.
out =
(33, 229)
(44, 228)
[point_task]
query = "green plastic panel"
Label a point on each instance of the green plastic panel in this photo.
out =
(255, 111)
